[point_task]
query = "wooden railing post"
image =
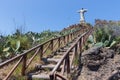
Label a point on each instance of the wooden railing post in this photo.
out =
(51, 76)
(68, 64)
(84, 40)
(41, 52)
(80, 48)
(24, 65)
(74, 35)
(80, 45)
(76, 52)
(58, 42)
(64, 40)
(63, 67)
(67, 38)
(51, 45)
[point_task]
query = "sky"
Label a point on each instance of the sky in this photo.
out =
(40, 15)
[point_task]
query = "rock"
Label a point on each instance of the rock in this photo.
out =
(110, 54)
(107, 53)
(115, 76)
(94, 50)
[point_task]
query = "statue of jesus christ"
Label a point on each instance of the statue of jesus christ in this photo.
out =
(82, 18)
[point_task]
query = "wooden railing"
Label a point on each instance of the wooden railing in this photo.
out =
(65, 61)
(52, 45)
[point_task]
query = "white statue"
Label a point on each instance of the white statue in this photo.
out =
(82, 18)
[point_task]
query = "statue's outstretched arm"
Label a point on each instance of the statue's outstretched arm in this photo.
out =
(85, 10)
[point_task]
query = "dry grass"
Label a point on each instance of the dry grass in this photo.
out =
(4, 71)
(17, 73)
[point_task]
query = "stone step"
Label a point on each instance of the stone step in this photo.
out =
(42, 71)
(64, 50)
(44, 76)
(60, 56)
(62, 53)
(52, 60)
(47, 67)
(50, 66)
(39, 76)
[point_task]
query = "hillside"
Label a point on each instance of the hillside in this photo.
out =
(101, 60)
(79, 52)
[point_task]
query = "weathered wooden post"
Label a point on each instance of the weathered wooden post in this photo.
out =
(63, 67)
(41, 52)
(64, 40)
(80, 48)
(80, 44)
(67, 61)
(51, 45)
(70, 37)
(68, 64)
(59, 42)
(51, 77)
(76, 52)
(24, 65)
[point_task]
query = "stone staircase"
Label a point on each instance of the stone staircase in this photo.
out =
(42, 71)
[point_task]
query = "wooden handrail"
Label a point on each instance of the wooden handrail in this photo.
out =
(67, 54)
(37, 48)
(64, 56)
(33, 48)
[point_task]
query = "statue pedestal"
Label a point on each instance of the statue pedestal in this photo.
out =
(82, 21)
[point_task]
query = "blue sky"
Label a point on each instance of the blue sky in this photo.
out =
(39, 15)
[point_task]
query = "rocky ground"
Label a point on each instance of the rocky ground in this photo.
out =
(100, 64)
